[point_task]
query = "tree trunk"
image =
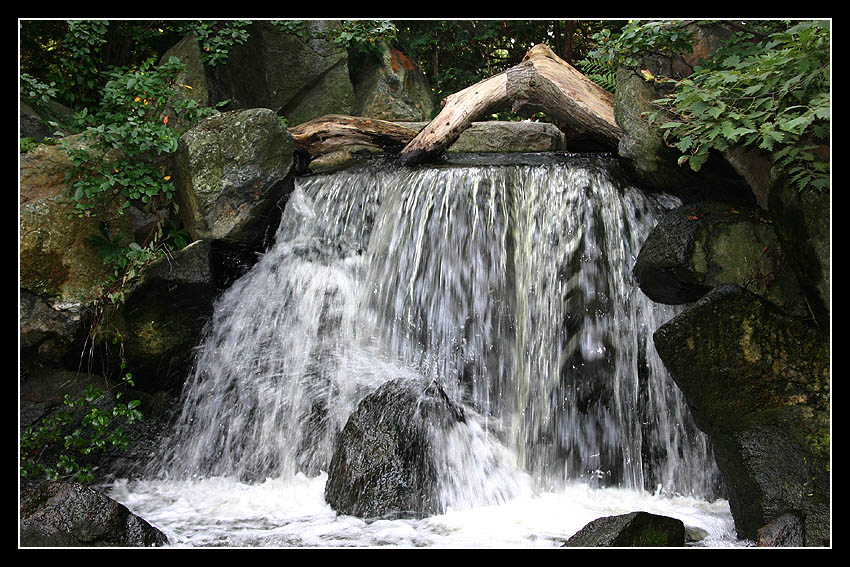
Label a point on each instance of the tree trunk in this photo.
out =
(333, 132)
(543, 82)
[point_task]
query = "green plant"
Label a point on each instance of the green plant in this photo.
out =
(82, 427)
(36, 92)
(27, 144)
(601, 74)
(129, 139)
(216, 39)
(124, 135)
(772, 94)
(639, 39)
(363, 35)
(79, 63)
(766, 87)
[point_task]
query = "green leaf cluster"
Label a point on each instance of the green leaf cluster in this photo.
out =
(55, 447)
(600, 73)
(79, 61)
(216, 38)
(124, 160)
(126, 133)
(639, 39)
(37, 92)
(770, 92)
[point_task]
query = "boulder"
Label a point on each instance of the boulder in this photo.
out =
(384, 463)
(389, 86)
(297, 77)
(45, 333)
(803, 225)
(758, 384)
(162, 318)
(66, 514)
(699, 246)
(230, 174)
(55, 260)
(638, 529)
(50, 120)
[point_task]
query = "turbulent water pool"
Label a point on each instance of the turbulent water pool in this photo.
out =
(222, 512)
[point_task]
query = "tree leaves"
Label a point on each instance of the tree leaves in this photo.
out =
(769, 93)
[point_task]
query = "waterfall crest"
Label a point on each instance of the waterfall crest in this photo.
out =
(510, 285)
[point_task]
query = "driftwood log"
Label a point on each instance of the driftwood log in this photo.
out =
(336, 132)
(543, 82)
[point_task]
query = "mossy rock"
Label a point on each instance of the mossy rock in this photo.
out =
(699, 246)
(757, 383)
(638, 529)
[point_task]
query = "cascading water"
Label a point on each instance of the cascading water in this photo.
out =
(508, 285)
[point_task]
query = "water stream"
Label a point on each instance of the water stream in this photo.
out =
(509, 285)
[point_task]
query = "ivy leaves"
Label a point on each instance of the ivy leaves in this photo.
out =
(772, 94)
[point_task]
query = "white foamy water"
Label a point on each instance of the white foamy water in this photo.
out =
(223, 512)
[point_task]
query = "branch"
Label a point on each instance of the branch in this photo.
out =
(542, 82)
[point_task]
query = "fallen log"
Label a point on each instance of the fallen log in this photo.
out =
(543, 82)
(334, 132)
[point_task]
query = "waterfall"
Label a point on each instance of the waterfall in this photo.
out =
(510, 285)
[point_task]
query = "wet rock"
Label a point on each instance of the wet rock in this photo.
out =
(384, 464)
(758, 384)
(784, 531)
(699, 246)
(66, 514)
(803, 225)
(638, 529)
(162, 318)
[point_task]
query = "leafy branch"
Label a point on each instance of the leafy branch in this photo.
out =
(771, 93)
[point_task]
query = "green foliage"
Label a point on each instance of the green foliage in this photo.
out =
(603, 75)
(772, 94)
(121, 162)
(37, 92)
(27, 144)
(82, 427)
(766, 87)
(79, 63)
(359, 35)
(363, 35)
(216, 39)
(125, 134)
(638, 39)
(455, 54)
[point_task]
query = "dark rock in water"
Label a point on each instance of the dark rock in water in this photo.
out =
(758, 384)
(638, 529)
(383, 465)
(697, 247)
(67, 514)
